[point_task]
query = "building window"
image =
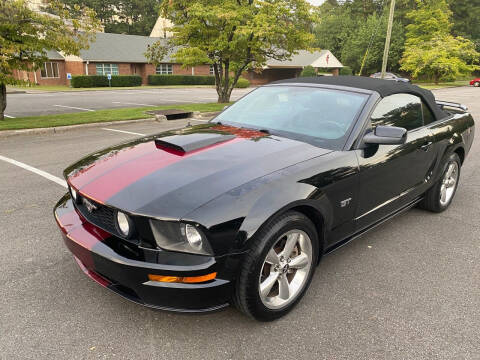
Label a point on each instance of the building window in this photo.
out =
(50, 70)
(212, 70)
(164, 69)
(105, 69)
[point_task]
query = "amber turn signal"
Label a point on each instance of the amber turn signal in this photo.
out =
(182, 279)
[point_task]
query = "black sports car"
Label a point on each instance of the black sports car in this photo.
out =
(241, 209)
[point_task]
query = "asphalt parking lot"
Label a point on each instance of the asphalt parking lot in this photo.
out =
(45, 103)
(410, 289)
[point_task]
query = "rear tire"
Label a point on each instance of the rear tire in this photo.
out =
(476, 84)
(278, 268)
(439, 197)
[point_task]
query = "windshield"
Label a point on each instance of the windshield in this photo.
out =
(318, 116)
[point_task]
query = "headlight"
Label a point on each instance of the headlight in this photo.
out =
(192, 235)
(124, 224)
(182, 237)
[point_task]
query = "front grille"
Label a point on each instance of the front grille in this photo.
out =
(101, 216)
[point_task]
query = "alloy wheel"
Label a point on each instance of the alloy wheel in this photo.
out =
(449, 183)
(285, 269)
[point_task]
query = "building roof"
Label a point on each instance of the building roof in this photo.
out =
(317, 59)
(54, 55)
(119, 48)
(381, 86)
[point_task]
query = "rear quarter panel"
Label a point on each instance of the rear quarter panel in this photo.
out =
(454, 133)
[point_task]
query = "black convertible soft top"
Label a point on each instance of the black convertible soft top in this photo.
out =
(383, 87)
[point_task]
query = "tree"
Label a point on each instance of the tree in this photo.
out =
(26, 36)
(466, 19)
(134, 17)
(335, 25)
(431, 50)
(308, 71)
(371, 35)
(234, 35)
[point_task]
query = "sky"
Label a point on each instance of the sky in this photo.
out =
(316, 2)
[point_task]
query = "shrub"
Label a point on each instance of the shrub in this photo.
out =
(127, 80)
(346, 70)
(180, 80)
(308, 71)
(242, 83)
(85, 81)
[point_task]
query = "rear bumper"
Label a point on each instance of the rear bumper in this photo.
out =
(129, 278)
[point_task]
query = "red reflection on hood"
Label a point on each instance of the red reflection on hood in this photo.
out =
(239, 132)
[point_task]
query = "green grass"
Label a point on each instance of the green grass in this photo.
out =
(432, 86)
(45, 121)
(67, 88)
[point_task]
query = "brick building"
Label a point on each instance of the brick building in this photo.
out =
(119, 54)
(115, 54)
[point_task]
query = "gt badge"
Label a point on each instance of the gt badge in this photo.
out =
(345, 202)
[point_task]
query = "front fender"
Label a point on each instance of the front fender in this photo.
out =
(322, 183)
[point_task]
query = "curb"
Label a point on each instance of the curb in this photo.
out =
(11, 92)
(54, 130)
(60, 129)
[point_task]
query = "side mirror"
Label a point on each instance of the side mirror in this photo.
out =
(386, 135)
(225, 107)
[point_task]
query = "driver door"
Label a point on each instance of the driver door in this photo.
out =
(393, 175)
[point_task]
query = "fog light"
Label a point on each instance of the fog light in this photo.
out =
(124, 224)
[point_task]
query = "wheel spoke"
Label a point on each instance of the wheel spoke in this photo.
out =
(443, 193)
(449, 171)
(284, 287)
(292, 240)
(272, 257)
(299, 261)
(267, 284)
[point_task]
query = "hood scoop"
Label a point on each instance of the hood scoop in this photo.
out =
(182, 144)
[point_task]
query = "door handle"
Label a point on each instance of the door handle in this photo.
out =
(426, 146)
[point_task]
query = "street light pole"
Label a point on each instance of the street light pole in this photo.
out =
(387, 40)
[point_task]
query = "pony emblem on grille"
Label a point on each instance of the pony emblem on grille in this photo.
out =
(89, 205)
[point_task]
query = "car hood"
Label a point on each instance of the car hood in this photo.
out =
(170, 174)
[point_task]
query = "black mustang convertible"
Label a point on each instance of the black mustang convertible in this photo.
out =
(241, 209)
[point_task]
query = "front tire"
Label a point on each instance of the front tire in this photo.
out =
(440, 196)
(476, 84)
(278, 268)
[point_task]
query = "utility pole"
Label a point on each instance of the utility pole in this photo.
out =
(387, 40)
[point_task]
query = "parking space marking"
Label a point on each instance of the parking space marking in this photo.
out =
(9, 116)
(129, 103)
(73, 107)
(125, 132)
(35, 170)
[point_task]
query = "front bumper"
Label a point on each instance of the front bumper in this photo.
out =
(129, 278)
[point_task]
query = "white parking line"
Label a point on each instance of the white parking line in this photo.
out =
(129, 103)
(123, 131)
(9, 116)
(73, 107)
(36, 171)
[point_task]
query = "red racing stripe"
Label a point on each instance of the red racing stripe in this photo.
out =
(109, 162)
(119, 178)
(92, 274)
